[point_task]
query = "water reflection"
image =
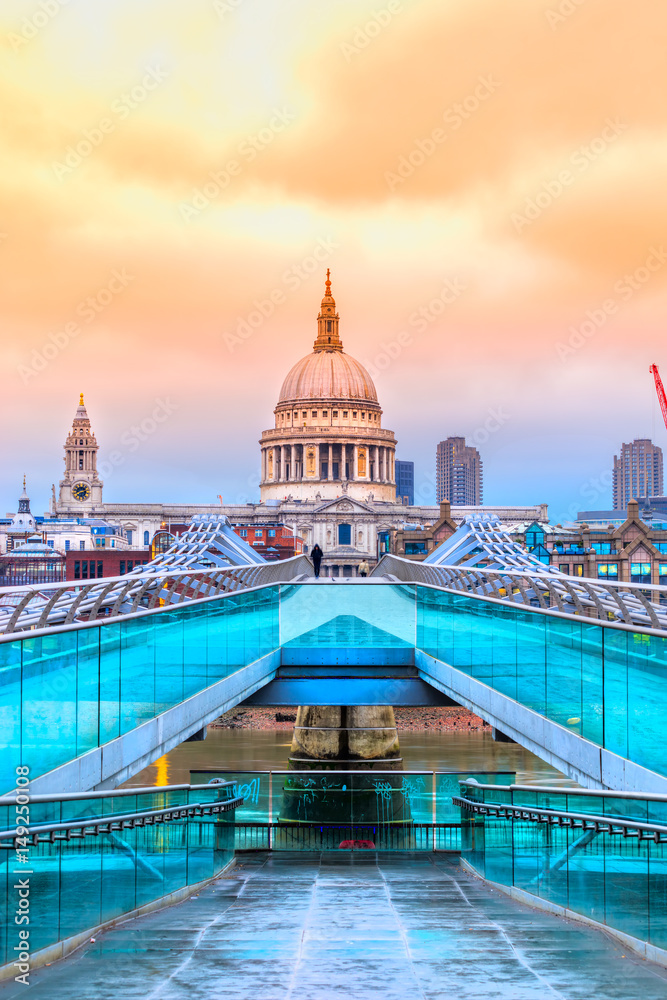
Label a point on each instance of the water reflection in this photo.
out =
(268, 749)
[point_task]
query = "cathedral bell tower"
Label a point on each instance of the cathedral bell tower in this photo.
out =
(328, 337)
(80, 489)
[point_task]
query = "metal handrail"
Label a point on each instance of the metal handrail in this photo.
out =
(566, 790)
(553, 593)
(73, 600)
(108, 824)
(9, 798)
(613, 825)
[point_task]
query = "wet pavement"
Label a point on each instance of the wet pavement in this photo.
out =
(354, 926)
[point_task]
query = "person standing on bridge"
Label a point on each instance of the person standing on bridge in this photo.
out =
(364, 568)
(316, 555)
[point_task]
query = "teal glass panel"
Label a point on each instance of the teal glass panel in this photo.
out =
(10, 712)
(137, 672)
(531, 653)
(110, 642)
(376, 615)
(194, 648)
(49, 702)
(657, 894)
(616, 691)
(169, 646)
(647, 698)
(564, 673)
(87, 689)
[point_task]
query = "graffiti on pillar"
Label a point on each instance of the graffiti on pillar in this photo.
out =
(362, 462)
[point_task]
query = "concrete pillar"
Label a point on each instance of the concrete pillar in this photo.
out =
(292, 463)
(355, 462)
(343, 459)
(330, 469)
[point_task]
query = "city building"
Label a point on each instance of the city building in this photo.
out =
(405, 482)
(458, 473)
(637, 472)
(631, 551)
(31, 562)
(22, 524)
(80, 489)
(273, 541)
(328, 437)
(91, 564)
(328, 475)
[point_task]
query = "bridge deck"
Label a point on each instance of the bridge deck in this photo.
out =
(357, 926)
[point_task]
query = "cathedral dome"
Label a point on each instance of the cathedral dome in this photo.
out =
(328, 375)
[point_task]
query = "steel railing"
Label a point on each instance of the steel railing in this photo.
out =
(586, 822)
(610, 601)
(54, 604)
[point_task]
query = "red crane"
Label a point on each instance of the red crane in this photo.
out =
(660, 389)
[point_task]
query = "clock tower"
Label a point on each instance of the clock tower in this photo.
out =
(80, 490)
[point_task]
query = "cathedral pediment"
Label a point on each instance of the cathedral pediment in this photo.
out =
(343, 505)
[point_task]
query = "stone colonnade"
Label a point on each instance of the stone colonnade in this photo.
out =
(327, 461)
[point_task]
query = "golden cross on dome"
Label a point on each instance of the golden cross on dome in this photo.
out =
(80, 399)
(328, 283)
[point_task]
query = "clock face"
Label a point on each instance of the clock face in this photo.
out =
(81, 491)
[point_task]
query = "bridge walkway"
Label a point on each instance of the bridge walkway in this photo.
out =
(360, 926)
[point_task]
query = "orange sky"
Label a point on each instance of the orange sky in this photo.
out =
(487, 176)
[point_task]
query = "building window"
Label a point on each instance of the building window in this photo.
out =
(77, 569)
(82, 545)
(344, 534)
(354, 414)
(146, 537)
(328, 326)
(325, 413)
(602, 548)
(640, 572)
(314, 413)
(363, 416)
(244, 532)
(67, 544)
(50, 543)
(129, 536)
(99, 569)
(578, 570)
(564, 568)
(415, 548)
(335, 413)
(344, 414)
(259, 533)
(129, 565)
(304, 413)
(662, 569)
(608, 571)
(84, 569)
(272, 532)
(121, 570)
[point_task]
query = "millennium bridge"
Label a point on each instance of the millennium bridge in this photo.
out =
(412, 883)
